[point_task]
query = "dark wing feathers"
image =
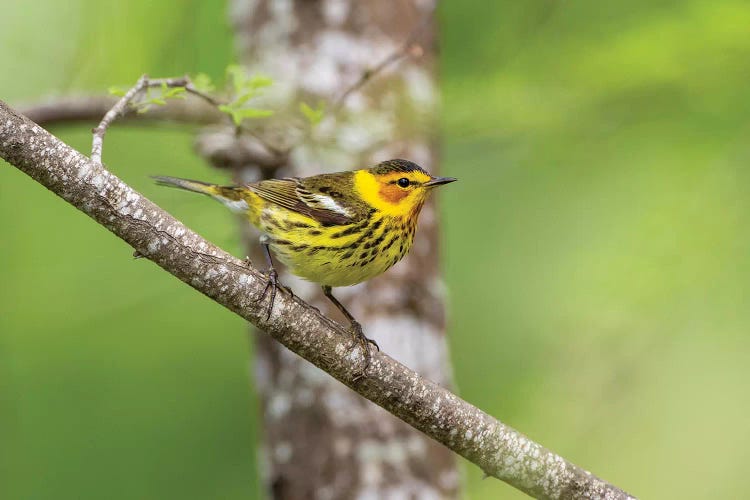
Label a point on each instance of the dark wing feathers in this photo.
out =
(288, 193)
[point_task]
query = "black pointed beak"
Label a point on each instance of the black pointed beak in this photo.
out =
(436, 181)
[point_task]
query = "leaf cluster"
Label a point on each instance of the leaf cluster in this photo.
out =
(245, 88)
(153, 96)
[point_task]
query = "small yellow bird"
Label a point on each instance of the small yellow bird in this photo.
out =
(335, 229)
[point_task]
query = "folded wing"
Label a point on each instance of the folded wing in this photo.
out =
(290, 194)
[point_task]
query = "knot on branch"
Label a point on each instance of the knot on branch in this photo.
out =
(224, 148)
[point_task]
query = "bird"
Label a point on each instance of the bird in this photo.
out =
(334, 229)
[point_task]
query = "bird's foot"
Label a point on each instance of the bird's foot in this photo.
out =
(366, 344)
(271, 286)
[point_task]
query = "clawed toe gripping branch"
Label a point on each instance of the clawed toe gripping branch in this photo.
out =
(356, 330)
(497, 449)
(269, 290)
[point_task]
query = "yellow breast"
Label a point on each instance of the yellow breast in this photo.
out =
(337, 255)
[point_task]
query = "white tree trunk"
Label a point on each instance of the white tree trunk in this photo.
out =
(321, 440)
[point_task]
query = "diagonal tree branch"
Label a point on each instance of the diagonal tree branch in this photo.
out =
(497, 449)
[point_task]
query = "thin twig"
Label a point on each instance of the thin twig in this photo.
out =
(409, 47)
(497, 449)
(122, 104)
(116, 110)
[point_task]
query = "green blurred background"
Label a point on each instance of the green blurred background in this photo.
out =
(596, 251)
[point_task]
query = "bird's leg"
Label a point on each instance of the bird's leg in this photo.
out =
(273, 278)
(354, 324)
(356, 329)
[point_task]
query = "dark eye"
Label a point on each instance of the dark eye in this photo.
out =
(403, 182)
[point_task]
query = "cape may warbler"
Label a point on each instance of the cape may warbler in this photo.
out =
(335, 229)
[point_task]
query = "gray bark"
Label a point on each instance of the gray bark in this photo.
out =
(499, 450)
(91, 108)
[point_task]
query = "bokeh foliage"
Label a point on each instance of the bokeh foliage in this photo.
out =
(596, 252)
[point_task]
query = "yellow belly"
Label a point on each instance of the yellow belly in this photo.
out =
(336, 255)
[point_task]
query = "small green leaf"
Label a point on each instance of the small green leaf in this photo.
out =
(254, 113)
(240, 114)
(236, 74)
(234, 70)
(225, 108)
(203, 83)
(174, 92)
(167, 91)
(259, 82)
(244, 84)
(241, 99)
(118, 91)
(314, 116)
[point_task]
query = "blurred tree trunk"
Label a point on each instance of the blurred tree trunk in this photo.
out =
(320, 439)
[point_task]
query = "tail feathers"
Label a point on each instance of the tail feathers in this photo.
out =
(230, 196)
(196, 186)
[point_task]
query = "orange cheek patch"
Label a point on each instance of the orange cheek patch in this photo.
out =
(392, 193)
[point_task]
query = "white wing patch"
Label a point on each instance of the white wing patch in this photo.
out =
(330, 204)
(237, 206)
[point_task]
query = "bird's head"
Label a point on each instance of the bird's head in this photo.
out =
(396, 187)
